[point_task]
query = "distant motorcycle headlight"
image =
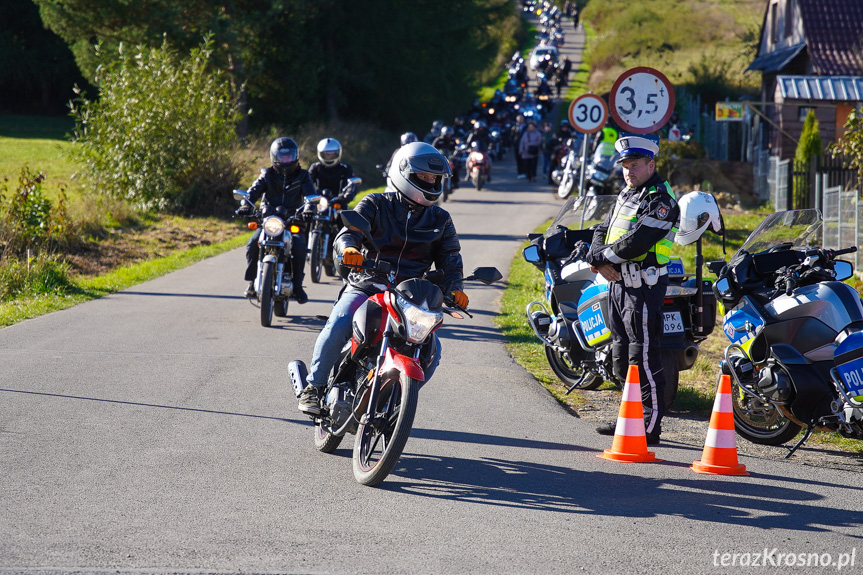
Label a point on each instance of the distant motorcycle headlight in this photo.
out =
(274, 226)
(419, 322)
(323, 204)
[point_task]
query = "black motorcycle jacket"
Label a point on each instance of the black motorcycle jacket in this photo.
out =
(445, 145)
(481, 137)
(657, 212)
(410, 238)
(274, 189)
(333, 178)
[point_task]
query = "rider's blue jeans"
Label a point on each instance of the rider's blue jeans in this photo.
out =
(337, 332)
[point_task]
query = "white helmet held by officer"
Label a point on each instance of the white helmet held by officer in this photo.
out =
(698, 211)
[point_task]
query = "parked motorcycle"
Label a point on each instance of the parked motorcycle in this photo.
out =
(325, 224)
(574, 327)
(478, 166)
(273, 282)
(604, 175)
(796, 332)
(373, 389)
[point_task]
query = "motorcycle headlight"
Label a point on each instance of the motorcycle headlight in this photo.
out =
(323, 204)
(274, 226)
(419, 322)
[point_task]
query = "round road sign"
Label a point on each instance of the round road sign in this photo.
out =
(641, 100)
(588, 113)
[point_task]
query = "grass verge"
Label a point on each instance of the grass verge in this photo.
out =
(86, 289)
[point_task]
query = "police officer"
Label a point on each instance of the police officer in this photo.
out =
(631, 250)
(285, 184)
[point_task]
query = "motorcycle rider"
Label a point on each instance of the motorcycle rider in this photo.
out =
(412, 233)
(284, 184)
(482, 138)
(446, 145)
(329, 172)
(631, 250)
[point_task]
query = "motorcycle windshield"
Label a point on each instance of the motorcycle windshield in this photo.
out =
(582, 212)
(800, 228)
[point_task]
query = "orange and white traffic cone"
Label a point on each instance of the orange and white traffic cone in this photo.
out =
(630, 441)
(720, 448)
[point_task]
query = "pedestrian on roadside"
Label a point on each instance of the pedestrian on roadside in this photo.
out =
(548, 146)
(517, 131)
(530, 147)
(631, 250)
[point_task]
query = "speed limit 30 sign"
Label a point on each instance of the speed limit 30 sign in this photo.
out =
(588, 113)
(641, 100)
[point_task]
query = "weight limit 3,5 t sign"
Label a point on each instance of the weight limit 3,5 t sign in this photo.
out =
(641, 100)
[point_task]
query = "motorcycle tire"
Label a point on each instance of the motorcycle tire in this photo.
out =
(267, 280)
(568, 374)
(477, 182)
(567, 183)
(764, 425)
(326, 442)
(317, 258)
(672, 376)
(280, 308)
(380, 442)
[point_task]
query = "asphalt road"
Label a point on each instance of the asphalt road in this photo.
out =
(154, 430)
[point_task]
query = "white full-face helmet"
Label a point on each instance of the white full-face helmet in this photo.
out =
(329, 152)
(698, 211)
(418, 158)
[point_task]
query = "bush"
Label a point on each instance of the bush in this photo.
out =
(42, 274)
(163, 132)
(28, 222)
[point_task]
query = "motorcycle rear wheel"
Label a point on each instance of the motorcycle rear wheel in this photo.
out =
(380, 442)
(317, 258)
(267, 280)
(672, 376)
(758, 423)
(571, 374)
(326, 442)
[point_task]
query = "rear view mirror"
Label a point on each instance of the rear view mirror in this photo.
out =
(486, 275)
(531, 254)
(241, 195)
(354, 221)
(716, 266)
(843, 269)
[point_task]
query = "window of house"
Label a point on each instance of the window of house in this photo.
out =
(774, 23)
(802, 112)
(789, 23)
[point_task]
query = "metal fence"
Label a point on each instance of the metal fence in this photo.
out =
(841, 212)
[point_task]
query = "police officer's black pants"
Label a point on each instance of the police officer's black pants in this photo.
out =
(635, 315)
(298, 257)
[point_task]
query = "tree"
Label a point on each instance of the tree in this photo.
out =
(161, 133)
(850, 145)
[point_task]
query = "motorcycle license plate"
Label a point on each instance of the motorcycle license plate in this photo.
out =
(852, 375)
(672, 322)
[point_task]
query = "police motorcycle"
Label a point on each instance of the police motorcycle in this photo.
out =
(323, 227)
(796, 332)
(573, 326)
(373, 389)
(604, 175)
(273, 282)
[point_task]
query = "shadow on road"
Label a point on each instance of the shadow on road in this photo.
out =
(562, 489)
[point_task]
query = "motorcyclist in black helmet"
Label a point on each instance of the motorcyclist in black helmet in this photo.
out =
(412, 233)
(284, 184)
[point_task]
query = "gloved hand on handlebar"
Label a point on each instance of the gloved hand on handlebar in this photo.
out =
(352, 257)
(245, 209)
(460, 299)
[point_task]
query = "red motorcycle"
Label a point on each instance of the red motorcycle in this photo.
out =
(478, 166)
(373, 389)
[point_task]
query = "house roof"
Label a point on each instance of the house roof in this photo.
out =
(775, 61)
(834, 35)
(821, 88)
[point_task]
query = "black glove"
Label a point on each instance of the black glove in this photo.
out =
(245, 209)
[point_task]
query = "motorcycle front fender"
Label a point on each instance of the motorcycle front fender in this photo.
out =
(410, 366)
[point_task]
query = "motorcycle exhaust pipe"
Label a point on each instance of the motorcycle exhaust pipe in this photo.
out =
(688, 357)
(298, 372)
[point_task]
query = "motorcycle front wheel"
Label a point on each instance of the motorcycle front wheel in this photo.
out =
(567, 183)
(380, 441)
(569, 372)
(759, 422)
(326, 442)
(267, 281)
(317, 257)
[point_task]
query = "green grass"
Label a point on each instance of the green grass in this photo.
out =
(40, 143)
(121, 278)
